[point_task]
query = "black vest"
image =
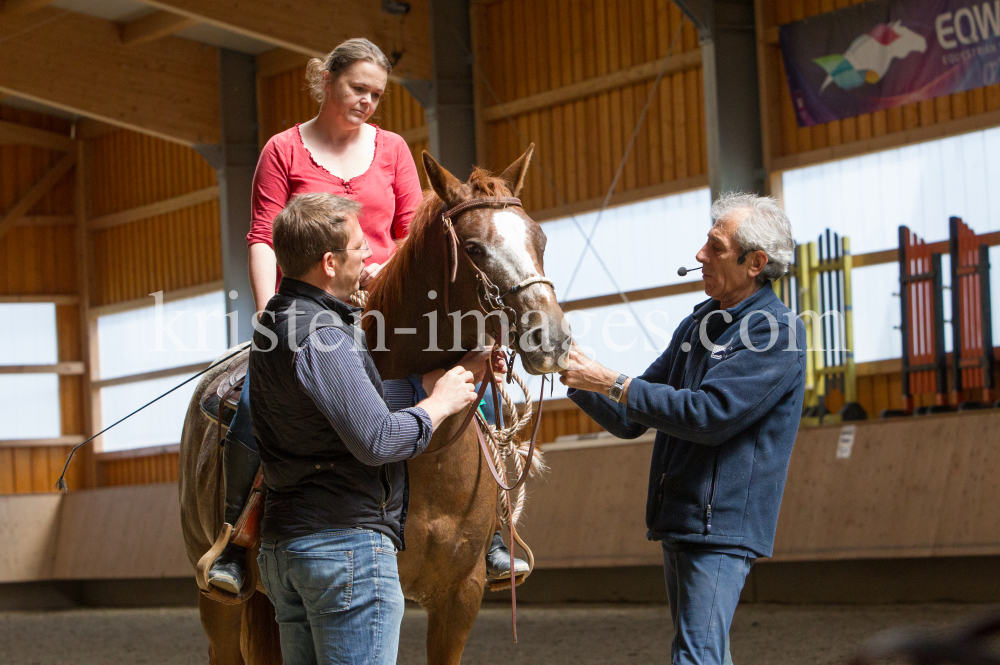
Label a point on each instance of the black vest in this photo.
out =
(313, 481)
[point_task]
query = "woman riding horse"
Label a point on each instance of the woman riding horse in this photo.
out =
(339, 153)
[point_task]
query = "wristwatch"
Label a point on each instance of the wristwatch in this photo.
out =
(615, 393)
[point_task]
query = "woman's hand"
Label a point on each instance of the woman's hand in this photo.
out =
(369, 272)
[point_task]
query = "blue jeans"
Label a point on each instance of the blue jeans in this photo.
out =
(336, 595)
(703, 589)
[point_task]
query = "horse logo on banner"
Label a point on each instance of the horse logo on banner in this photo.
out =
(868, 57)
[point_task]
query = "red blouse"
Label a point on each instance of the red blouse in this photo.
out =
(389, 191)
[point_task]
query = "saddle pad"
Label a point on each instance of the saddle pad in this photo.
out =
(222, 394)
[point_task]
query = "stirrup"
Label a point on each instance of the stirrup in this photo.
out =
(250, 578)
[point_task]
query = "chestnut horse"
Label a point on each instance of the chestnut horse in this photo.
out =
(453, 497)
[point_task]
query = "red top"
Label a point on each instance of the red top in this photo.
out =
(389, 191)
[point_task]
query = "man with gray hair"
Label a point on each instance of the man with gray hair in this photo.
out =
(725, 398)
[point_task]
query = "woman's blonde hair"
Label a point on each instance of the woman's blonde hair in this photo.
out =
(339, 59)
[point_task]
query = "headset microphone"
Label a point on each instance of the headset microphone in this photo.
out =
(683, 271)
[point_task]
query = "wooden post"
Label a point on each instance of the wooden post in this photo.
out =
(850, 376)
(804, 279)
(88, 333)
(904, 311)
(986, 324)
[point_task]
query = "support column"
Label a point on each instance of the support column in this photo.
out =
(732, 99)
(448, 97)
(234, 161)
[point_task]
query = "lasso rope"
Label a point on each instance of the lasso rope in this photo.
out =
(502, 442)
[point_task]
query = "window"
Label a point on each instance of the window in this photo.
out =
(29, 403)
(174, 335)
(611, 335)
(642, 244)
(867, 198)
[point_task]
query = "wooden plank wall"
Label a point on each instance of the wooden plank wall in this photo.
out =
(526, 48)
(284, 101)
(41, 260)
(159, 467)
(912, 487)
(784, 139)
(167, 252)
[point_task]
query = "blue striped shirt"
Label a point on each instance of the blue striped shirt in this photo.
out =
(329, 367)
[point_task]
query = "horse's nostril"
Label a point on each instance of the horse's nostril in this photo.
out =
(535, 338)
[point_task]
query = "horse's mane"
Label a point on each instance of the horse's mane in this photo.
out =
(386, 294)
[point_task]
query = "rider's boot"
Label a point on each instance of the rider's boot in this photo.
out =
(498, 561)
(239, 464)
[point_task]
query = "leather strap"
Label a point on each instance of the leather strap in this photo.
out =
(465, 423)
(482, 202)
(531, 448)
(517, 288)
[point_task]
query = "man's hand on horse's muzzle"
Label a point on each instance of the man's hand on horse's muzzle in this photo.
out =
(583, 373)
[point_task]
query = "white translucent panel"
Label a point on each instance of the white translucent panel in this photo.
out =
(176, 334)
(867, 198)
(29, 406)
(159, 424)
(876, 313)
(28, 336)
(641, 244)
(614, 337)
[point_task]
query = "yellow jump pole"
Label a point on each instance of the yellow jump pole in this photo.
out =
(805, 304)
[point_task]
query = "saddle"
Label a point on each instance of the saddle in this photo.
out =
(218, 402)
(220, 398)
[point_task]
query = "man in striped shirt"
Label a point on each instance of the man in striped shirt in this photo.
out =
(334, 439)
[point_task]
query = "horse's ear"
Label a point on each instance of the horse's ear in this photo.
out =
(444, 184)
(514, 175)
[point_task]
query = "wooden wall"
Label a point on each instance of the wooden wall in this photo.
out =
(786, 145)
(156, 465)
(39, 259)
(536, 54)
(166, 252)
(912, 487)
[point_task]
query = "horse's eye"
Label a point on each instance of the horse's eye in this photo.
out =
(475, 250)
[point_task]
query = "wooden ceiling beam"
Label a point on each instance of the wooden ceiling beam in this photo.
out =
(168, 88)
(153, 27)
(19, 7)
(12, 133)
(315, 27)
(37, 191)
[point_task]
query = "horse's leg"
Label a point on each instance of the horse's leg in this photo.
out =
(450, 617)
(261, 642)
(222, 626)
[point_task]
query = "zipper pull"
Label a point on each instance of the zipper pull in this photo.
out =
(662, 478)
(708, 519)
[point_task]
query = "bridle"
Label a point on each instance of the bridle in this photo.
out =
(489, 293)
(491, 301)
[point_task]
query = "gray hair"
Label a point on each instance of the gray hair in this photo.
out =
(339, 59)
(765, 227)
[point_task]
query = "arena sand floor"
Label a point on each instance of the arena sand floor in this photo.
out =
(549, 634)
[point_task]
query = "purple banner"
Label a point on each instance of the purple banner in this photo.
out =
(887, 53)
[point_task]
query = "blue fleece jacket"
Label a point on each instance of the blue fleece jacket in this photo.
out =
(726, 418)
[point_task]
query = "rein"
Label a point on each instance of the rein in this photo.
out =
(491, 301)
